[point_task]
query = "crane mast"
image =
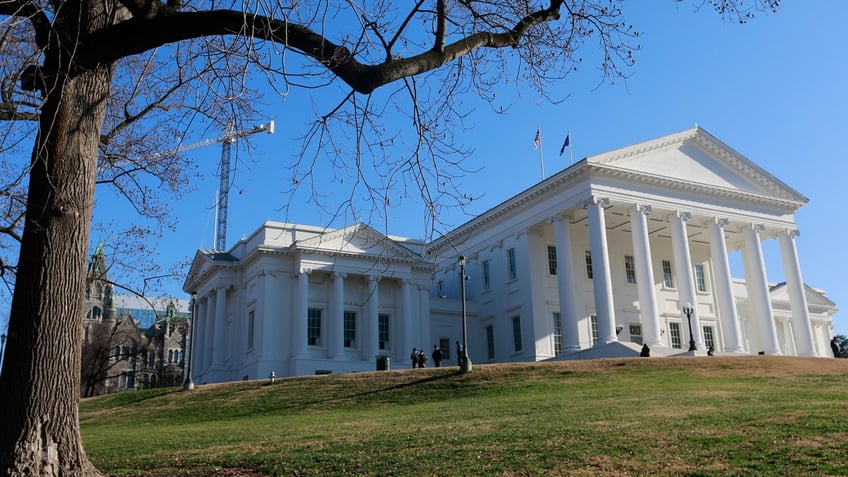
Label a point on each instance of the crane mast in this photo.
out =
(222, 198)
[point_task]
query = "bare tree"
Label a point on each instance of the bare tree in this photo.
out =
(111, 350)
(82, 80)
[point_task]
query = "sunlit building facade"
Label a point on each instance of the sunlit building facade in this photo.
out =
(623, 249)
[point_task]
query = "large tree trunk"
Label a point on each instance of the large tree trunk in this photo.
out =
(39, 384)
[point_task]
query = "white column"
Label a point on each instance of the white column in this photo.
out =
(797, 297)
(727, 312)
(758, 291)
(336, 325)
(648, 309)
(268, 326)
(299, 317)
(198, 365)
(209, 334)
(684, 270)
(423, 319)
(220, 335)
(372, 311)
(406, 322)
(602, 279)
(565, 284)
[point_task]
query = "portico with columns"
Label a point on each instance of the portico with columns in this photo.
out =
(621, 242)
(301, 300)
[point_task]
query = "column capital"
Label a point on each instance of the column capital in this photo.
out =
(341, 275)
(682, 216)
(302, 271)
(793, 233)
(643, 209)
(563, 217)
(757, 228)
(595, 200)
(721, 222)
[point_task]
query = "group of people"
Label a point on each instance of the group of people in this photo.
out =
(419, 356)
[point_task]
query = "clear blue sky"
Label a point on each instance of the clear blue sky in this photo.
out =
(772, 89)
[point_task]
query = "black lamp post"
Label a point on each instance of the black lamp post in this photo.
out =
(2, 350)
(188, 385)
(688, 310)
(466, 361)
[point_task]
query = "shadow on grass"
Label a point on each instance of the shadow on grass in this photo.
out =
(381, 390)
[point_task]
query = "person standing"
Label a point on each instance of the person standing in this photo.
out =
(460, 353)
(834, 345)
(437, 356)
(414, 357)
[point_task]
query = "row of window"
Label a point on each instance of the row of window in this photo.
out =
(314, 329)
(516, 337)
(629, 270)
(635, 331)
(175, 356)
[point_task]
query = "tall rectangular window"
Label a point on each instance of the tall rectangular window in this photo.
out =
(349, 329)
(668, 277)
(251, 323)
(557, 333)
(709, 337)
(384, 334)
(700, 278)
(487, 277)
(552, 260)
(629, 269)
(313, 327)
(593, 321)
(674, 332)
(512, 270)
(444, 345)
(516, 332)
(490, 341)
(588, 264)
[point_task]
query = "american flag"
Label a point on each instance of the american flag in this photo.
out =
(538, 139)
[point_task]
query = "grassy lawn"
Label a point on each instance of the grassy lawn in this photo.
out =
(754, 415)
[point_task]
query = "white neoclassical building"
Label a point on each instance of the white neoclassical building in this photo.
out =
(594, 261)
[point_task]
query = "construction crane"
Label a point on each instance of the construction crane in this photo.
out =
(227, 140)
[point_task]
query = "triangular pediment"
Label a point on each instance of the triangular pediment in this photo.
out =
(359, 240)
(780, 293)
(696, 159)
(203, 261)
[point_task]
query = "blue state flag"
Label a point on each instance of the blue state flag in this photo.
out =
(565, 143)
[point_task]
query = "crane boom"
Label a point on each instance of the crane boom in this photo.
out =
(222, 198)
(231, 137)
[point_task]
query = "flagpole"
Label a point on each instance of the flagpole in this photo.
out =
(541, 158)
(570, 148)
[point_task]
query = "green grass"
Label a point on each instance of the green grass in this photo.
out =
(671, 416)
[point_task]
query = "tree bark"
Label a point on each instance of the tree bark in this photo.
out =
(39, 384)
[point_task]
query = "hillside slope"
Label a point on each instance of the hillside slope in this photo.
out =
(753, 415)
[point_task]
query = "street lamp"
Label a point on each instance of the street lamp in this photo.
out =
(466, 361)
(688, 310)
(2, 350)
(188, 385)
